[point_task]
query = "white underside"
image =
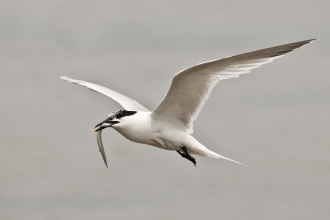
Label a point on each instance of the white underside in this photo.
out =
(142, 128)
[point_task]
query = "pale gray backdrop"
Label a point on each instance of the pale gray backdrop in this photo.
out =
(275, 119)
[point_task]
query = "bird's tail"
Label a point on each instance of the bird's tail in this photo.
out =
(201, 150)
(217, 156)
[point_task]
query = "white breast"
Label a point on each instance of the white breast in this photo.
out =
(136, 127)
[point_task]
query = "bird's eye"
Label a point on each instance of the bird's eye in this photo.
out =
(123, 113)
(128, 113)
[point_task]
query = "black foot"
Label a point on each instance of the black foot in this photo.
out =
(186, 155)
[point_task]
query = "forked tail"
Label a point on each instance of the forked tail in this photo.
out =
(217, 156)
(199, 149)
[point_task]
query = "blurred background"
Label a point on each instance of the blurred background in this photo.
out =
(275, 119)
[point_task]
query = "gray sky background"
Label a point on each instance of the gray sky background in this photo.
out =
(275, 119)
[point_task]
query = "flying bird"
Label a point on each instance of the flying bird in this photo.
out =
(170, 125)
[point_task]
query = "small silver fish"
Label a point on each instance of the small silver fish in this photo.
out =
(99, 143)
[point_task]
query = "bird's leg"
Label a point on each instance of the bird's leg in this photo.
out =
(186, 155)
(180, 153)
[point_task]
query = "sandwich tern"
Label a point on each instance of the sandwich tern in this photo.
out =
(170, 125)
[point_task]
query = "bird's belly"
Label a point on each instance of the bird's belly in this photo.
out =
(170, 139)
(137, 135)
(143, 130)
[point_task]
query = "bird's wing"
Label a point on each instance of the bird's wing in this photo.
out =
(124, 101)
(191, 87)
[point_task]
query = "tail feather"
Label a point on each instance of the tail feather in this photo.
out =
(200, 149)
(217, 156)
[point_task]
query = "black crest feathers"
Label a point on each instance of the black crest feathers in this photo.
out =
(121, 113)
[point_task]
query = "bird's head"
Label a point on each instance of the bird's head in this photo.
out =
(113, 119)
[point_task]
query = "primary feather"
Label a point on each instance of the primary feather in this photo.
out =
(191, 87)
(124, 101)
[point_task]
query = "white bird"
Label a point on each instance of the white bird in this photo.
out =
(170, 125)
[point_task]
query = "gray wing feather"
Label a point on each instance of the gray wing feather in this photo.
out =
(191, 87)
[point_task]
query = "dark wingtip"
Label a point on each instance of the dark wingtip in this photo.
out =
(312, 40)
(309, 41)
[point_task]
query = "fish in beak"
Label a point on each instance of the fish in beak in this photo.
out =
(100, 144)
(98, 128)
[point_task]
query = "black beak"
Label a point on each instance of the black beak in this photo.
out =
(104, 124)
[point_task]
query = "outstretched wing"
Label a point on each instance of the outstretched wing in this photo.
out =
(191, 87)
(124, 101)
